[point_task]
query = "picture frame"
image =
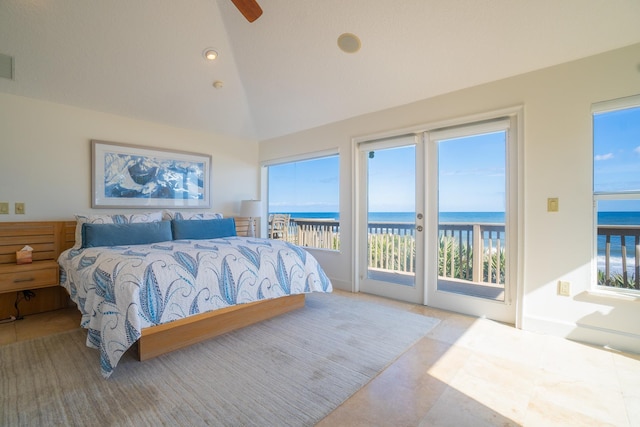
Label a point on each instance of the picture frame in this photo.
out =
(135, 176)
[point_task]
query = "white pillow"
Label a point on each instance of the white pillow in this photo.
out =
(168, 215)
(128, 218)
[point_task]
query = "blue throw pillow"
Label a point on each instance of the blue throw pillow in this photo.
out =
(203, 228)
(140, 233)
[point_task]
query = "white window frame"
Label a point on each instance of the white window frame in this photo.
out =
(600, 108)
(293, 159)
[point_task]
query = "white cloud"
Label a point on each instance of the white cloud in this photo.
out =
(607, 156)
(637, 149)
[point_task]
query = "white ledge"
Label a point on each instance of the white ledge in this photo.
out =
(615, 294)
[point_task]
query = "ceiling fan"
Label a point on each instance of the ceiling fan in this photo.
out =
(249, 8)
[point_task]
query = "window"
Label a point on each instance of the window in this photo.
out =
(616, 189)
(305, 192)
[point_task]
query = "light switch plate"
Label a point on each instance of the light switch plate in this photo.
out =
(564, 288)
(19, 208)
(552, 204)
(4, 208)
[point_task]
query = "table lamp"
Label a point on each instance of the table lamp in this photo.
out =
(251, 209)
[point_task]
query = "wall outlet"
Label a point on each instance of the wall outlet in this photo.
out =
(4, 208)
(19, 208)
(564, 288)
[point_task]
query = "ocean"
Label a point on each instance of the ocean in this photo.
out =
(604, 218)
(464, 217)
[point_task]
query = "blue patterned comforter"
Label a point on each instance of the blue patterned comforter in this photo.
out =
(121, 290)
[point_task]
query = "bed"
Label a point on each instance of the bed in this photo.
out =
(164, 288)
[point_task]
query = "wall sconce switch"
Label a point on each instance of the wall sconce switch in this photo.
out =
(19, 208)
(4, 208)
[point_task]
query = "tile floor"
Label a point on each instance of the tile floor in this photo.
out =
(467, 372)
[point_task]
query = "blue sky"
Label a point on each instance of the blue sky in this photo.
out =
(471, 176)
(616, 155)
(305, 186)
(471, 173)
(392, 180)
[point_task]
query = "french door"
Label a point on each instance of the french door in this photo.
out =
(437, 221)
(471, 230)
(391, 218)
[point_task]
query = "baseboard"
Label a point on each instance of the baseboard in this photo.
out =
(341, 284)
(588, 334)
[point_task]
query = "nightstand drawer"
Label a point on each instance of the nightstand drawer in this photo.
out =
(28, 276)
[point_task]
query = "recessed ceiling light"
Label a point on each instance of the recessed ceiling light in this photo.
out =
(210, 54)
(349, 43)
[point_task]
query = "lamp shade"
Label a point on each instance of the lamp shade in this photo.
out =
(251, 208)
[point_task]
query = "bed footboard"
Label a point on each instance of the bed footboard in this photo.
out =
(161, 339)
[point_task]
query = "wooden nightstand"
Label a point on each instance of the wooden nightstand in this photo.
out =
(38, 274)
(48, 239)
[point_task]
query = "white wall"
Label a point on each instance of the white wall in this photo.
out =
(45, 157)
(557, 163)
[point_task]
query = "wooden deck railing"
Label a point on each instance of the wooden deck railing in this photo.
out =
(315, 233)
(473, 252)
(392, 246)
(620, 236)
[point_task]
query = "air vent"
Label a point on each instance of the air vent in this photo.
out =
(6, 66)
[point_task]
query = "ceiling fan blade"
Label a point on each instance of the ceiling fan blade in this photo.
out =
(249, 8)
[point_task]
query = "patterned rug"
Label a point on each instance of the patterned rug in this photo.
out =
(291, 370)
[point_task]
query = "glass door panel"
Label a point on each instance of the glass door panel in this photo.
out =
(390, 220)
(391, 215)
(472, 212)
(471, 215)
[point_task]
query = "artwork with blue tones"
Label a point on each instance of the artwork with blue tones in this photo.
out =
(135, 176)
(150, 177)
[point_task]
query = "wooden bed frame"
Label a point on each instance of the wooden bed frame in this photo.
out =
(161, 339)
(50, 238)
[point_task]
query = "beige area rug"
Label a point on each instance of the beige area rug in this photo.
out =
(291, 370)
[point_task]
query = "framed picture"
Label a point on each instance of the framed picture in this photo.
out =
(133, 176)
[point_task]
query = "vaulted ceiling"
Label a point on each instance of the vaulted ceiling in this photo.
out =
(284, 72)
